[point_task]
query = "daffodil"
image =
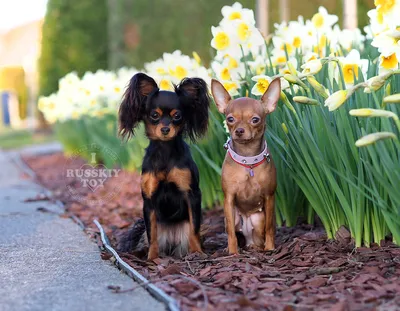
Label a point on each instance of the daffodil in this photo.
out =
(165, 84)
(223, 39)
(349, 39)
(388, 10)
(262, 84)
(237, 12)
(312, 67)
(377, 24)
(387, 42)
(388, 63)
(336, 100)
(322, 20)
(232, 87)
(351, 65)
(373, 138)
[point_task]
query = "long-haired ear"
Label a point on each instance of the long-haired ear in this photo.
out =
(133, 102)
(193, 92)
(271, 96)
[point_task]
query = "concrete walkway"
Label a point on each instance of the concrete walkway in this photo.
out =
(48, 263)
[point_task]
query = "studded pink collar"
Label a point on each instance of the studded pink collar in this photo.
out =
(248, 162)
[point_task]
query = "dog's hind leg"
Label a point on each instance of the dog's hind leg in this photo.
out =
(194, 207)
(131, 239)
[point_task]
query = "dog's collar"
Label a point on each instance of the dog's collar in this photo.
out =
(248, 162)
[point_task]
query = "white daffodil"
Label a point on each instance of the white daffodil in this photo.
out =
(290, 67)
(165, 84)
(322, 20)
(336, 100)
(353, 66)
(262, 84)
(258, 64)
(222, 72)
(387, 42)
(388, 63)
(377, 24)
(348, 39)
(312, 67)
(388, 10)
(232, 87)
(223, 39)
(237, 12)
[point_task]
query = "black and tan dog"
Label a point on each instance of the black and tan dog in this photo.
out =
(248, 172)
(170, 178)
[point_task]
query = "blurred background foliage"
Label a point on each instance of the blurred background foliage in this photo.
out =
(131, 32)
(74, 38)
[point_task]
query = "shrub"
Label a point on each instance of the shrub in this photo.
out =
(74, 38)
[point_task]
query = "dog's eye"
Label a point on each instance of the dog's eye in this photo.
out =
(230, 119)
(155, 115)
(255, 120)
(177, 116)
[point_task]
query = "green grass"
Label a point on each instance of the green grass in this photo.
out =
(12, 139)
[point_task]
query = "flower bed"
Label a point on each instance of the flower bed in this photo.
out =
(305, 272)
(334, 136)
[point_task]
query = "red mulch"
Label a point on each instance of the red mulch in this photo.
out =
(305, 272)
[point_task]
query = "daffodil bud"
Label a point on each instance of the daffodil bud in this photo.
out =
(368, 112)
(292, 70)
(287, 102)
(337, 99)
(295, 80)
(373, 138)
(290, 78)
(284, 128)
(196, 57)
(319, 88)
(375, 83)
(305, 100)
(394, 99)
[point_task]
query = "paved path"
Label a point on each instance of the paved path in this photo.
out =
(48, 263)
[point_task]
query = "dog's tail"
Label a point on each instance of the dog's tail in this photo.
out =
(134, 238)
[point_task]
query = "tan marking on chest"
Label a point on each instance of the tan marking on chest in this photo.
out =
(182, 178)
(150, 181)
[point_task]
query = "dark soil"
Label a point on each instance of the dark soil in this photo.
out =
(305, 272)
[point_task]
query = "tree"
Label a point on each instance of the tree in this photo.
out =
(74, 38)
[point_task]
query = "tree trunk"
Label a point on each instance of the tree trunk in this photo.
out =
(116, 30)
(350, 14)
(284, 10)
(262, 17)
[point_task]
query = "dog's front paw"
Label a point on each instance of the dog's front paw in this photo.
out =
(233, 250)
(269, 247)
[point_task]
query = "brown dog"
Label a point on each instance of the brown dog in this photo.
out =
(248, 172)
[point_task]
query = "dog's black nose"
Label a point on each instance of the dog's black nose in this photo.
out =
(239, 131)
(165, 130)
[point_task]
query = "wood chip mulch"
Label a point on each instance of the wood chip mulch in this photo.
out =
(305, 272)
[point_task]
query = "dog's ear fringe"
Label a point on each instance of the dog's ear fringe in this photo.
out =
(132, 105)
(195, 95)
